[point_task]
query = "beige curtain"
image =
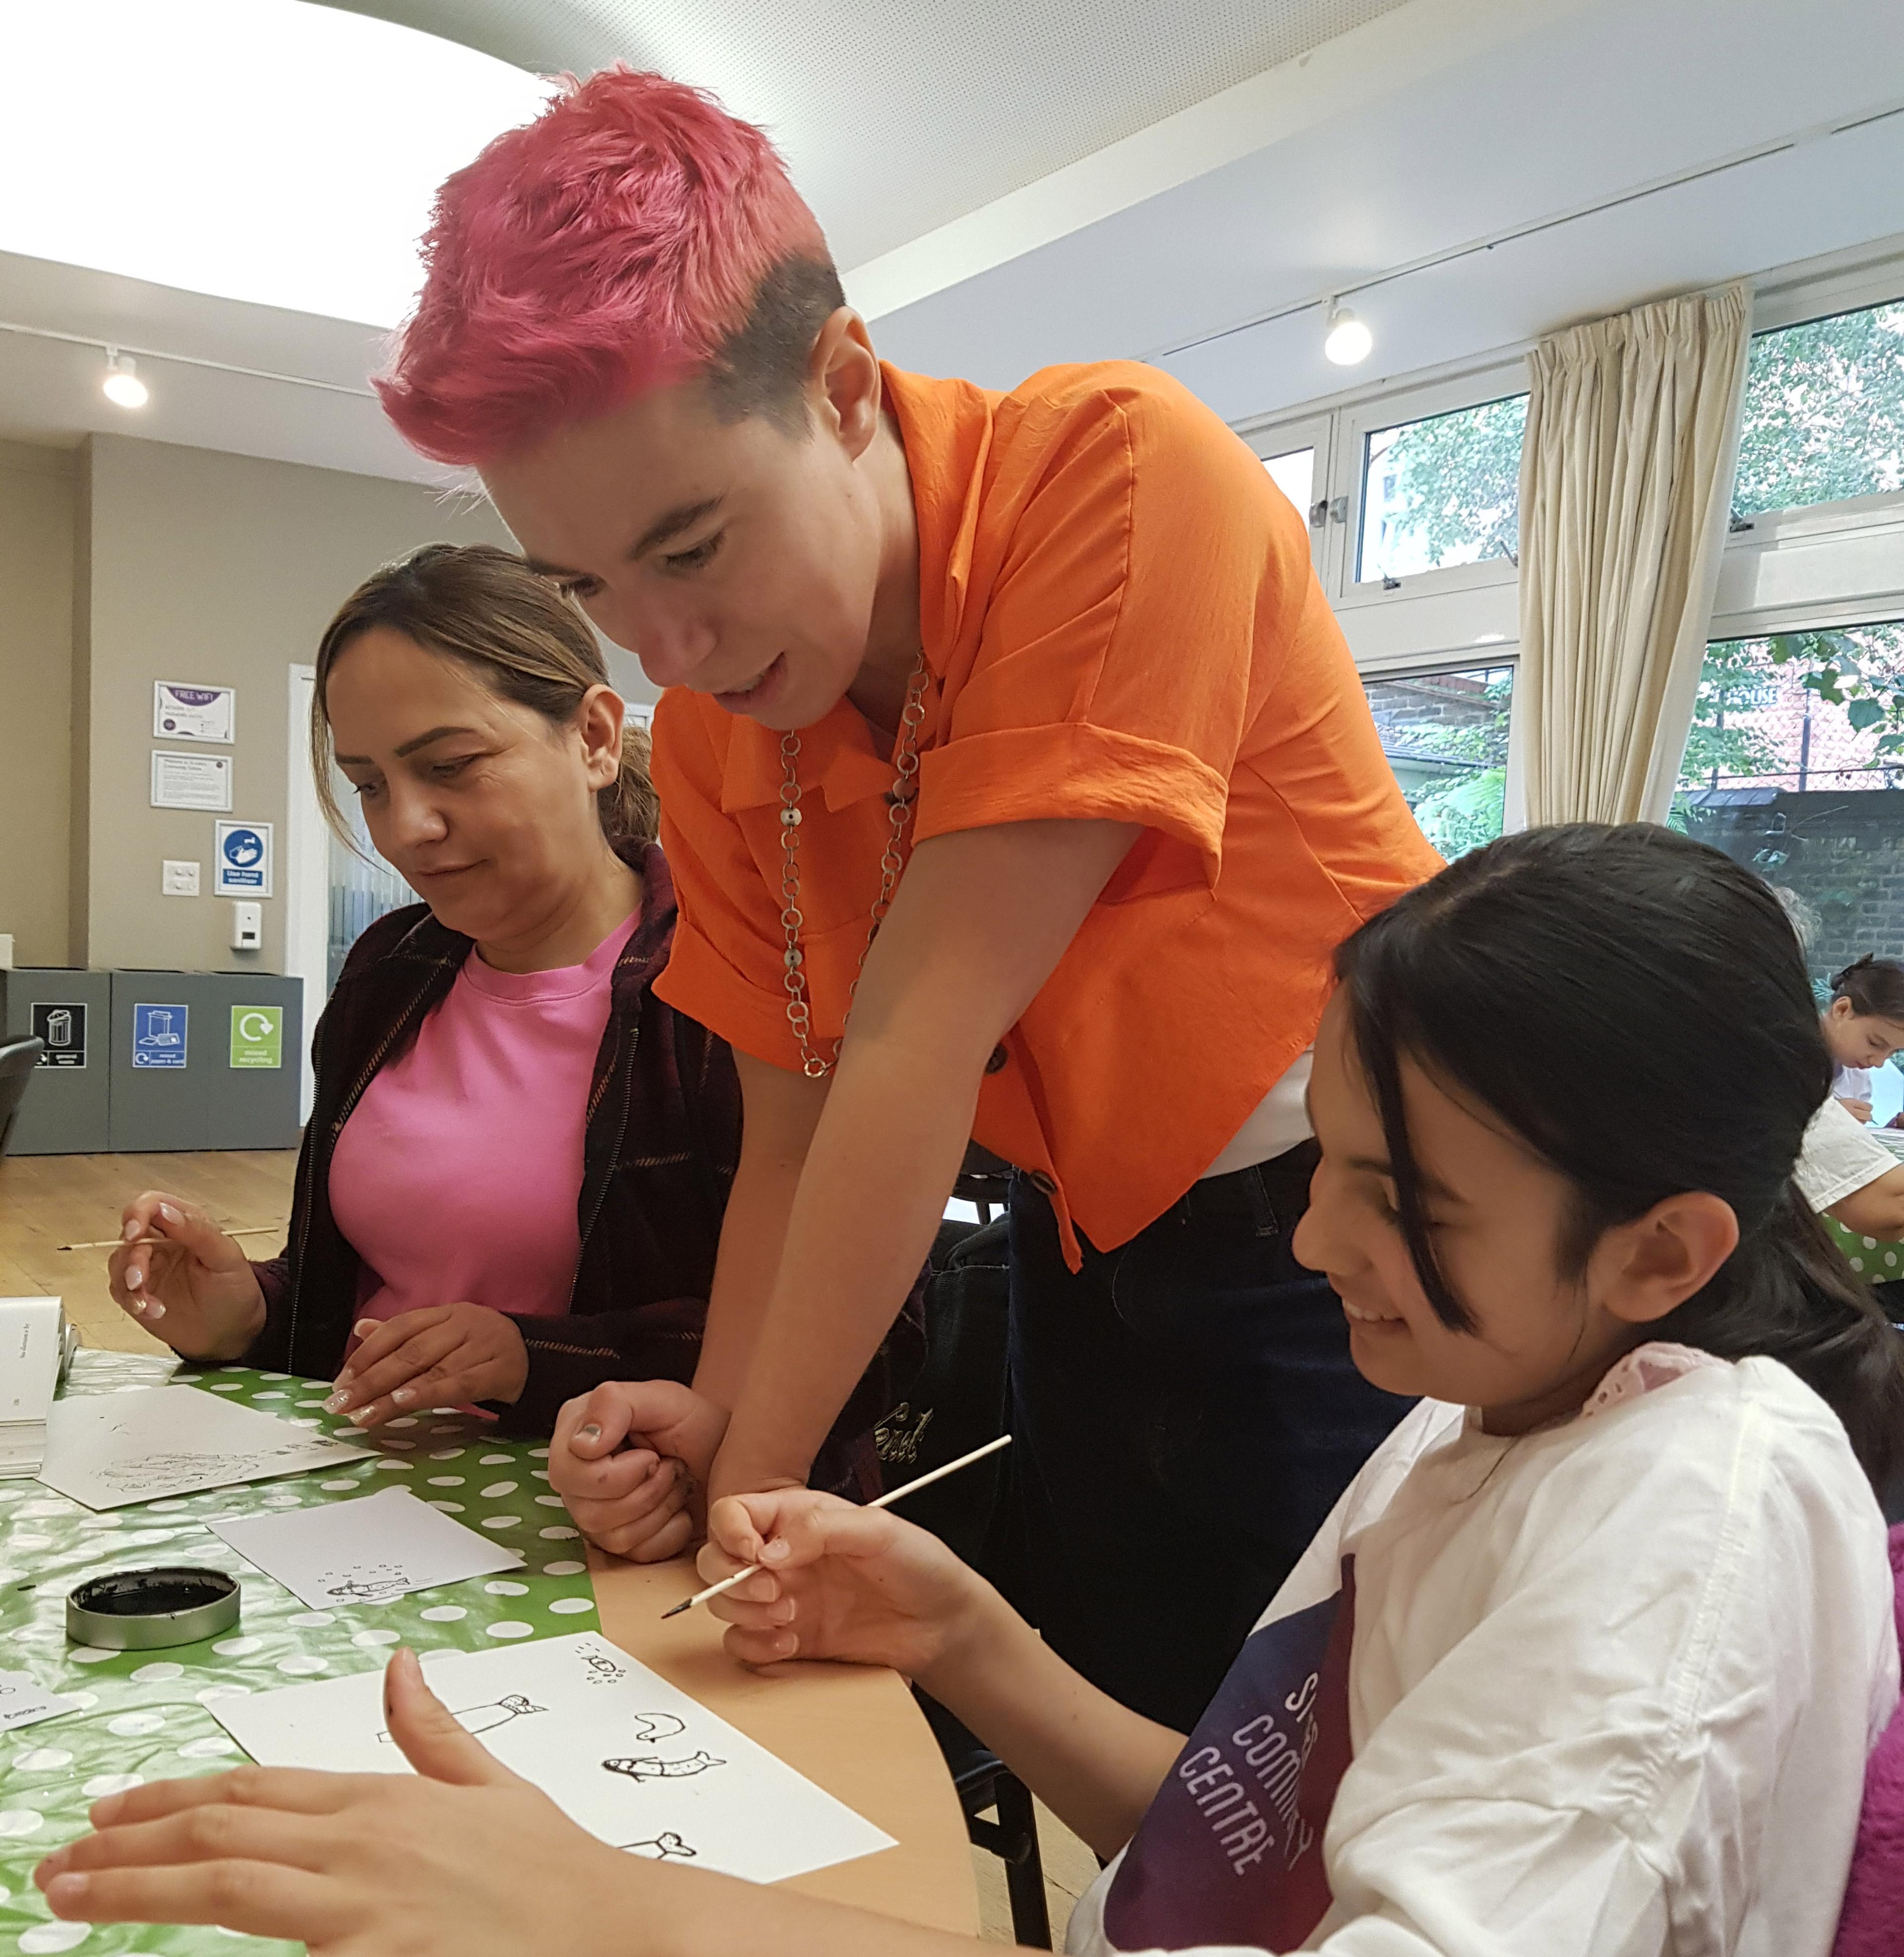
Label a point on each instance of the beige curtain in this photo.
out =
(1626, 484)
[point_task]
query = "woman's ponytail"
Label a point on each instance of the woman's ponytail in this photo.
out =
(1786, 1294)
(1874, 986)
(630, 809)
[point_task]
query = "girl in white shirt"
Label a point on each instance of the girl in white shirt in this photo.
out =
(1587, 1661)
(1864, 1026)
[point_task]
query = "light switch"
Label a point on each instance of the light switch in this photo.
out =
(179, 880)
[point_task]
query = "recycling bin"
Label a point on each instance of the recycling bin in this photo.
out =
(204, 1060)
(65, 1110)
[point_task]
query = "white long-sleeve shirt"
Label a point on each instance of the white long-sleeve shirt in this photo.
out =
(1603, 1690)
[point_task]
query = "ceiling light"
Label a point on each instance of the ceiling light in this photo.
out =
(346, 125)
(1349, 341)
(122, 386)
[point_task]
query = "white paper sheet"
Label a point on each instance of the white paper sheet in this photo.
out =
(370, 1550)
(169, 1441)
(24, 1701)
(622, 1752)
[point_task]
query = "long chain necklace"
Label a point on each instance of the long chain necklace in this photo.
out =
(899, 809)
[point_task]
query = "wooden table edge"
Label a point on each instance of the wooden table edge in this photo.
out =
(855, 1730)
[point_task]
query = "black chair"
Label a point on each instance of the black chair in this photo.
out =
(958, 1403)
(984, 1781)
(18, 1058)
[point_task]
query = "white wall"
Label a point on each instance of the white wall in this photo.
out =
(201, 566)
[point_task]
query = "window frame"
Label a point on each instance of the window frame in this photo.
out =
(1479, 389)
(1315, 431)
(1799, 303)
(1818, 567)
(1400, 666)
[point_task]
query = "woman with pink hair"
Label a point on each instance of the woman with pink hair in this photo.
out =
(1039, 689)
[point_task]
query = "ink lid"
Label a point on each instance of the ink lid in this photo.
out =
(151, 1610)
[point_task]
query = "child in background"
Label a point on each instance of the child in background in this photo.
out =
(1864, 1026)
(1586, 1663)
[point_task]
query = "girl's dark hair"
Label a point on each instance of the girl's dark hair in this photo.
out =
(484, 608)
(1874, 986)
(1634, 1007)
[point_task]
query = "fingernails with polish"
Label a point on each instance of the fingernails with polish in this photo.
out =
(591, 1432)
(403, 1396)
(155, 1309)
(170, 1213)
(365, 1327)
(360, 1417)
(783, 1611)
(336, 1402)
(129, 1233)
(777, 1550)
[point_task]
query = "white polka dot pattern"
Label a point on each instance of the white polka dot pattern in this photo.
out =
(155, 1716)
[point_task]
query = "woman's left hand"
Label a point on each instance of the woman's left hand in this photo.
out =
(444, 1356)
(468, 1861)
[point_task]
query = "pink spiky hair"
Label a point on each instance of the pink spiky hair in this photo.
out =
(610, 246)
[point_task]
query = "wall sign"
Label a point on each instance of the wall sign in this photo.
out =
(191, 781)
(193, 713)
(158, 1035)
(258, 1036)
(242, 859)
(62, 1024)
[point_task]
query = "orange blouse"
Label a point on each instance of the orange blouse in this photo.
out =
(1122, 624)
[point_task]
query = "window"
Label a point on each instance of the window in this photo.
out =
(1442, 491)
(1295, 474)
(363, 886)
(1795, 766)
(1445, 734)
(1824, 415)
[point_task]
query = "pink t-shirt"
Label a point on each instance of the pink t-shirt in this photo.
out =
(457, 1175)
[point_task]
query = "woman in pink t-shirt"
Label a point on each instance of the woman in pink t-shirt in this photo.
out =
(512, 1182)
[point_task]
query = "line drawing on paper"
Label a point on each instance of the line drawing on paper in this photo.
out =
(485, 1719)
(649, 1727)
(648, 1766)
(669, 1847)
(376, 1583)
(181, 1467)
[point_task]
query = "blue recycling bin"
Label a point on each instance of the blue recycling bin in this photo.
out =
(204, 1060)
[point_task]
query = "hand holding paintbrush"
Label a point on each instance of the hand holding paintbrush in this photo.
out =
(892, 1495)
(174, 1264)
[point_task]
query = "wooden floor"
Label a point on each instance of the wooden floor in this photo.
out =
(1069, 1869)
(49, 1202)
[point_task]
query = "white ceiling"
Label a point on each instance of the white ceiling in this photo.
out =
(1437, 128)
(1431, 126)
(261, 150)
(897, 119)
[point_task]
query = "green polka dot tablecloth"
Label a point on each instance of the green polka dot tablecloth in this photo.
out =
(1875, 1260)
(143, 1714)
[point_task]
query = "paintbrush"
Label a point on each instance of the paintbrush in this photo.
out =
(116, 1243)
(884, 1501)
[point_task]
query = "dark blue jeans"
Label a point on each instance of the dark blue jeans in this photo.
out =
(1184, 1413)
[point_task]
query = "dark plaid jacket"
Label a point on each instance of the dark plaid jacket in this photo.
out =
(663, 1139)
